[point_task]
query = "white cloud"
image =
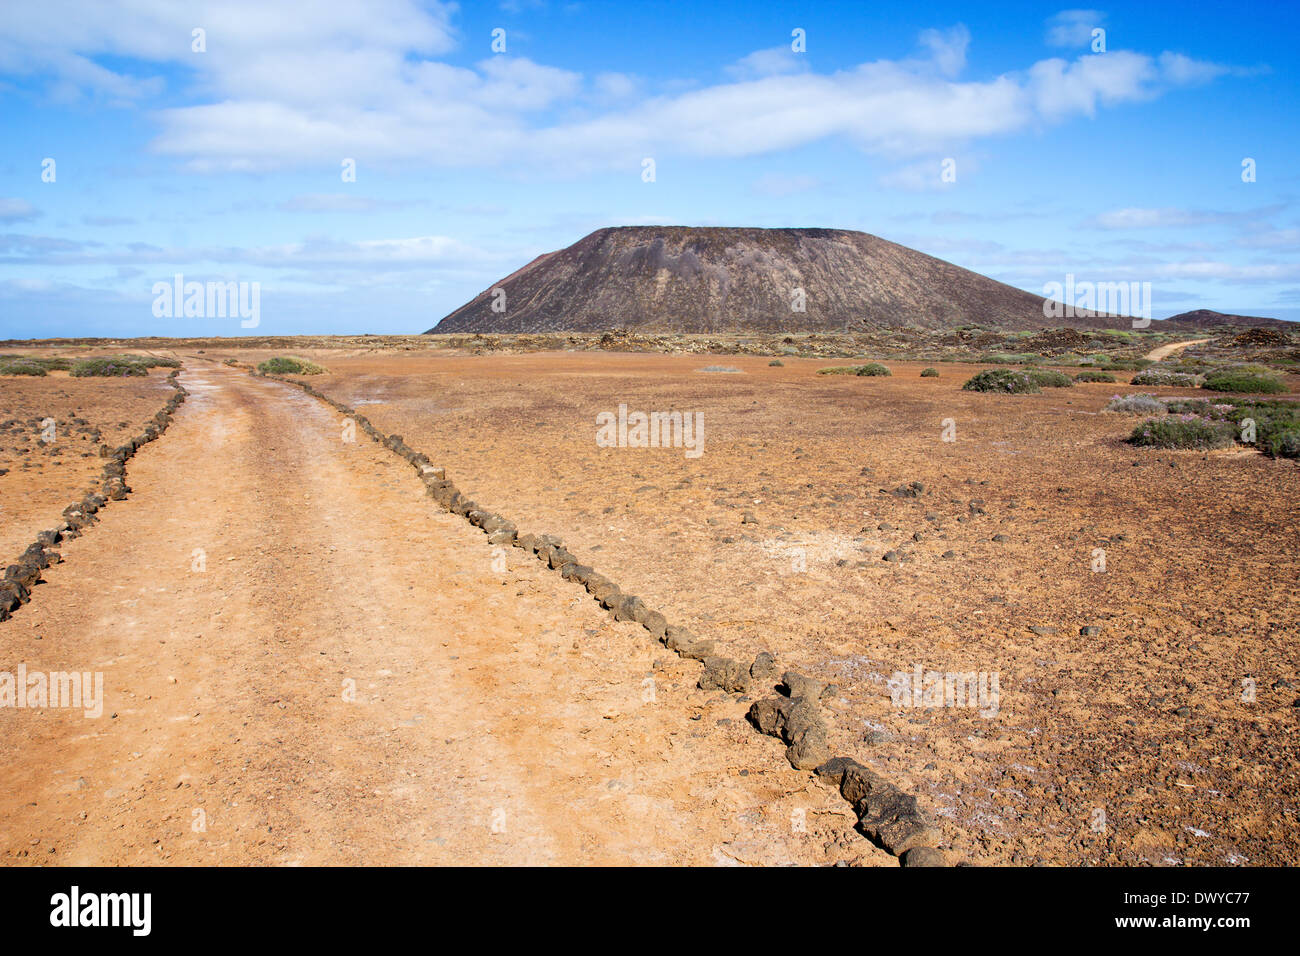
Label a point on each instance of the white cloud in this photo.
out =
(17, 210)
(947, 48)
(306, 83)
(1184, 71)
(1136, 217)
(337, 202)
(774, 61)
(1073, 27)
(917, 177)
(615, 86)
(297, 51)
(1060, 88)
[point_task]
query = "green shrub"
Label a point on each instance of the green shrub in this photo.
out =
(1280, 442)
(20, 366)
(288, 365)
(1009, 380)
(26, 363)
(1046, 378)
(1277, 424)
(1010, 358)
(1183, 431)
(152, 361)
(1244, 380)
(1160, 376)
(871, 368)
(1139, 404)
(776, 363)
(929, 373)
(1094, 377)
(107, 368)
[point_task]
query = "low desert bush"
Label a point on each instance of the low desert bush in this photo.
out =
(929, 373)
(1277, 424)
(1094, 376)
(288, 365)
(776, 363)
(1046, 378)
(1280, 442)
(1010, 358)
(1139, 404)
(1009, 380)
(1160, 376)
(1183, 431)
(28, 364)
(152, 361)
(1245, 380)
(871, 368)
(108, 367)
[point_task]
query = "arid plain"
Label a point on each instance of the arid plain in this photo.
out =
(853, 527)
(1198, 595)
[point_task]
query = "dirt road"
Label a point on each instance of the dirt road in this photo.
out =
(1164, 351)
(306, 662)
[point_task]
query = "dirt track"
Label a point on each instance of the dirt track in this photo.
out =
(499, 716)
(1164, 351)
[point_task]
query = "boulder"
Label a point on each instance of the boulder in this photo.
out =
(923, 856)
(685, 644)
(628, 608)
(833, 770)
(764, 667)
(655, 623)
(724, 673)
(799, 685)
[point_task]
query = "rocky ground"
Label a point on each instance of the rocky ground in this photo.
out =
(1147, 710)
(1139, 610)
(43, 467)
(305, 662)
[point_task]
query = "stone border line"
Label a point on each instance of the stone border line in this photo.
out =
(887, 816)
(20, 577)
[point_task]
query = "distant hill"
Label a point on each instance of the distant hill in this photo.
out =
(1209, 319)
(689, 279)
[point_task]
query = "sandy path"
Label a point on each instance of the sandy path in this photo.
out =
(499, 716)
(1164, 351)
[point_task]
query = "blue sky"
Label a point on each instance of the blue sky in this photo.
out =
(226, 164)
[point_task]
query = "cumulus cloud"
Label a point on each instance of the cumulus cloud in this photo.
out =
(302, 83)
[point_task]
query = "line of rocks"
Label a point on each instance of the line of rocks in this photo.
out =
(887, 816)
(21, 576)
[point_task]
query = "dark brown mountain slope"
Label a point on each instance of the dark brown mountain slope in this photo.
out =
(1209, 319)
(686, 279)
